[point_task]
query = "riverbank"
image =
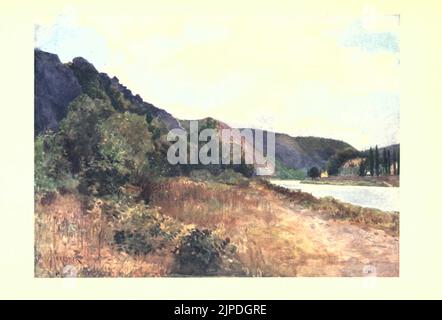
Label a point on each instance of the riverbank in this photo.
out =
(382, 198)
(381, 181)
(245, 229)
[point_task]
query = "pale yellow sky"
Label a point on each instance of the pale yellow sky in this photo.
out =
(323, 74)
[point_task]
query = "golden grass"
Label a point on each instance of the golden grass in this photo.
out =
(207, 204)
(277, 232)
(258, 220)
(69, 235)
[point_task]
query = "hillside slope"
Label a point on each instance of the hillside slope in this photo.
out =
(57, 85)
(306, 152)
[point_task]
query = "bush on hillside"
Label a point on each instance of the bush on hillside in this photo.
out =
(51, 167)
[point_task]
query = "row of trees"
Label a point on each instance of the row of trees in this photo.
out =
(374, 164)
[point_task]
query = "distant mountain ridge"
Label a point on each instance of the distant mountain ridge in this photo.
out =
(58, 84)
(307, 152)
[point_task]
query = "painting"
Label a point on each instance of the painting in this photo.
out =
(180, 144)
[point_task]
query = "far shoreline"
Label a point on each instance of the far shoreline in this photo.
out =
(381, 181)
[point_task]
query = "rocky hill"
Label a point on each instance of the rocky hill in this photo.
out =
(58, 84)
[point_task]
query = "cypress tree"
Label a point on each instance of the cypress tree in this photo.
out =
(394, 162)
(388, 162)
(362, 168)
(384, 160)
(376, 158)
(371, 161)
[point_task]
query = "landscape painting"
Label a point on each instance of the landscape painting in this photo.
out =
(189, 145)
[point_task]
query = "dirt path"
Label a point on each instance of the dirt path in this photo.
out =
(352, 250)
(300, 242)
(277, 235)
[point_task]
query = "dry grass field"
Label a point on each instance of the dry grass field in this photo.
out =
(247, 230)
(286, 233)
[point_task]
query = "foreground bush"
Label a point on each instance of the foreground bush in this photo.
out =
(203, 253)
(145, 231)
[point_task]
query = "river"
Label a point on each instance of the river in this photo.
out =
(384, 198)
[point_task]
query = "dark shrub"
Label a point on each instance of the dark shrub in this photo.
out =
(313, 172)
(201, 253)
(133, 242)
(48, 198)
(145, 232)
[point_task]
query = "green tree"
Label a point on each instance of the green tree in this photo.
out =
(394, 162)
(376, 160)
(362, 168)
(388, 162)
(126, 141)
(336, 161)
(371, 161)
(384, 161)
(80, 130)
(313, 172)
(122, 154)
(149, 117)
(51, 167)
